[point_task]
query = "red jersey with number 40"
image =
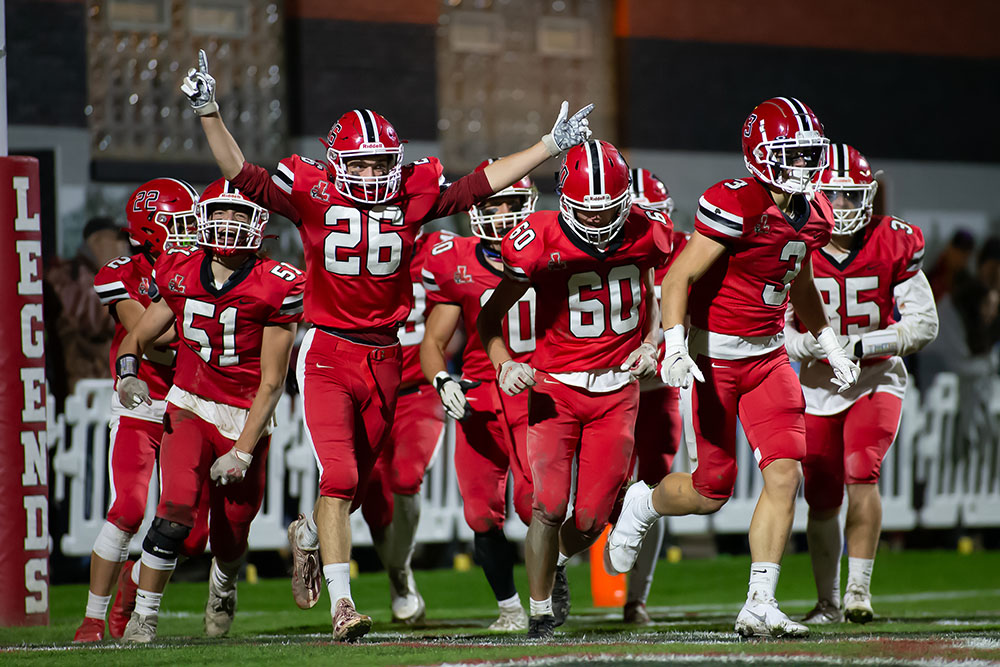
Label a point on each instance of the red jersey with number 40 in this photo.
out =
(744, 293)
(126, 278)
(411, 334)
(221, 328)
(456, 271)
(858, 289)
(590, 303)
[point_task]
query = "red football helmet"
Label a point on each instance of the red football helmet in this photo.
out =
(849, 183)
(160, 214)
(240, 231)
(594, 177)
(362, 133)
(649, 191)
(784, 146)
(490, 225)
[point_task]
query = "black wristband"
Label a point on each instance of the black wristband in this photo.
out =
(127, 365)
(441, 380)
(859, 350)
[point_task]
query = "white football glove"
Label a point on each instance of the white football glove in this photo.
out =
(515, 377)
(678, 369)
(845, 371)
(452, 395)
(132, 391)
(568, 130)
(199, 86)
(641, 363)
(230, 467)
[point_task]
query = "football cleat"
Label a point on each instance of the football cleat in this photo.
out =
(560, 596)
(622, 547)
(858, 605)
(220, 608)
(91, 630)
(407, 603)
(140, 629)
(348, 624)
(510, 620)
(124, 604)
(542, 627)
(635, 613)
(762, 618)
(306, 571)
(823, 613)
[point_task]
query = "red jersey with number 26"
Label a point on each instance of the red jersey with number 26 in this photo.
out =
(744, 293)
(221, 328)
(590, 303)
(456, 271)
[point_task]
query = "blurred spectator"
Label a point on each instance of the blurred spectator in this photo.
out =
(977, 300)
(952, 264)
(76, 321)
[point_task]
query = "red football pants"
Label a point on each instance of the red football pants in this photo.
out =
(483, 457)
(512, 411)
(848, 447)
(190, 447)
(565, 422)
(417, 433)
(349, 393)
(765, 393)
(132, 450)
(657, 432)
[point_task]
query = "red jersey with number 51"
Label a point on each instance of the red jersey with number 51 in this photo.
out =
(221, 327)
(456, 271)
(745, 292)
(590, 303)
(857, 290)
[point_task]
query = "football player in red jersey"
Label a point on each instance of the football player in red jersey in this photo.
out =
(236, 315)
(358, 215)
(749, 254)
(459, 276)
(658, 422)
(591, 266)
(871, 266)
(160, 213)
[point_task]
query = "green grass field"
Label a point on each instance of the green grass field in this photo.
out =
(933, 607)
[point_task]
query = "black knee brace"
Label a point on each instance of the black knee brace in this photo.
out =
(165, 538)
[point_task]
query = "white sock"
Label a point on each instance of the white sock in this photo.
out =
(644, 508)
(641, 577)
(763, 580)
(510, 604)
(97, 605)
(135, 573)
(825, 546)
(307, 535)
(540, 607)
(562, 560)
(338, 583)
(147, 603)
(859, 573)
(224, 575)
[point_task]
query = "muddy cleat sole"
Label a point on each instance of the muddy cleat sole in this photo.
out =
(858, 606)
(560, 596)
(306, 570)
(635, 613)
(542, 627)
(90, 631)
(348, 624)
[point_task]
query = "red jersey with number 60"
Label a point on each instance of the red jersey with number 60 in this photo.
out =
(857, 290)
(412, 332)
(456, 271)
(221, 328)
(126, 278)
(590, 303)
(357, 256)
(744, 293)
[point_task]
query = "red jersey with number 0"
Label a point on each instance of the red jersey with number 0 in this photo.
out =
(745, 292)
(126, 278)
(590, 303)
(357, 256)
(858, 289)
(221, 328)
(412, 332)
(457, 271)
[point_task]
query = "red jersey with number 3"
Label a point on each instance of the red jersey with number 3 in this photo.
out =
(456, 271)
(221, 328)
(126, 278)
(412, 332)
(589, 302)
(858, 289)
(745, 292)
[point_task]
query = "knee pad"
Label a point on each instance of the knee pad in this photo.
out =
(165, 539)
(112, 543)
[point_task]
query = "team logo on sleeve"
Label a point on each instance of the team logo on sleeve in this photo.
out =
(144, 286)
(762, 227)
(462, 275)
(555, 262)
(176, 284)
(319, 191)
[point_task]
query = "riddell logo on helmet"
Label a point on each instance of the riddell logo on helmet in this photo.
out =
(597, 199)
(376, 144)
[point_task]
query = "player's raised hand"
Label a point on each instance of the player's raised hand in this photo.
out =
(845, 371)
(568, 131)
(230, 467)
(199, 86)
(132, 391)
(678, 368)
(515, 377)
(641, 363)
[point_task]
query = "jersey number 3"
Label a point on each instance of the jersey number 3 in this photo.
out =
(795, 252)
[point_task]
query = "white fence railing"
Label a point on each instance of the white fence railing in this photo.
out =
(959, 475)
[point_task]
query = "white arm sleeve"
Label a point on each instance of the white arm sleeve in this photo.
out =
(799, 346)
(918, 324)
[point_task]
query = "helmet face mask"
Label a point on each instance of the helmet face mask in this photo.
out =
(228, 222)
(784, 146)
(849, 184)
(594, 179)
(182, 229)
(366, 137)
(489, 222)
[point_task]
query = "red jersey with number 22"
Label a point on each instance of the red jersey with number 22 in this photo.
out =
(590, 303)
(745, 292)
